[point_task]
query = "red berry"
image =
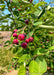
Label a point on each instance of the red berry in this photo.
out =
(50, 32)
(30, 39)
(27, 40)
(47, 39)
(10, 71)
(41, 42)
(19, 9)
(15, 30)
(21, 37)
(15, 41)
(24, 45)
(14, 6)
(48, 68)
(14, 34)
(26, 21)
(12, 63)
(20, 6)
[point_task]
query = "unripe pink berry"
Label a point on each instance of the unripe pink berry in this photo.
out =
(26, 21)
(50, 32)
(27, 40)
(30, 39)
(15, 41)
(48, 68)
(21, 37)
(20, 6)
(11, 1)
(24, 45)
(10, 71)
(14, 34)
(15, 30)
(0, 8)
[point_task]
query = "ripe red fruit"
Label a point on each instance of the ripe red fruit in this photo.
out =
(10, 71)
(26, 21)
(20, 6)
(48, 68)
(14, 34)
(21, 37)
(50, 32)
(15, 30)
(15, 41)
(19, 9)
(30, 39)
(14, 6)
(41, 42)
(27, 40)
(24, 45)
(47, 39)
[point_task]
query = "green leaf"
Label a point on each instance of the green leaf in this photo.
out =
(36, 38)
(40, 4)
(30, 34)
(7, 42)
(12, 38)
(42, 65)
(2, 7)
(24, 58)
(15, 0)
(47, 27)
(33, 68)
(51, 48)
(22, 70)
(36, 52)
(16, 13)
(38, 23)
(37, 67)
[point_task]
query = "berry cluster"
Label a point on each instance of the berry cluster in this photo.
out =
(21, 37)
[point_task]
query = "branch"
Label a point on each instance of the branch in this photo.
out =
(22, 29)
(46, 27)
(43, 11)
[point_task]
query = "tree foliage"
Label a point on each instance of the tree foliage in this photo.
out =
(40, 27)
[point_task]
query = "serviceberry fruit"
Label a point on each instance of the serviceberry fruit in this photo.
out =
(15, 41)
(14, 34)
(30, 39)
(24, 45)
(27, 40)
(21, 37)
